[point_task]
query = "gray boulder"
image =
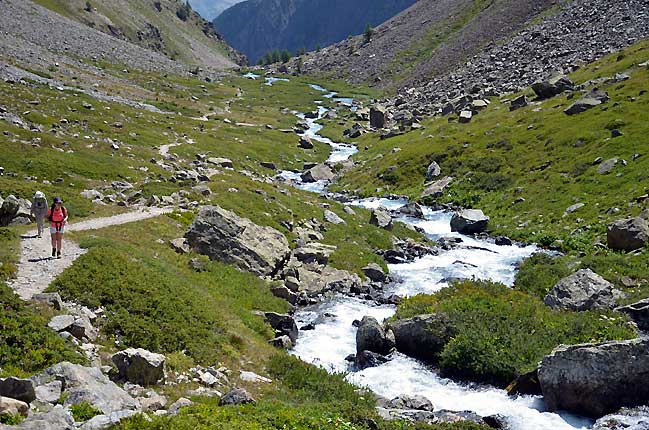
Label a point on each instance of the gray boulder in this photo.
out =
(436, 189)
(378, 116)
(179, 404)
(593, 99)
(13, 208)
(332, 217)
(404, 401)
(50, 392)
(314, 252)
(237, 396)
(372, 337)
(50, 299)
(56, 419)
(469, 221)
(87, 384)
(140, 366)
(19, 389)
(284, 325)
(382, 219)
(412, 209)
(422, 336)
(281, 342)
(105, 422)
(433, 171)
(305, 143)
(517, 103)
(366, 359)
(317, 279)
(628, 234)
(226, 237)
(581, 291)
(375, 272)
(596, 379)
(319, 172)
(552, 87)
(13, 407)
(607, 166)
(465, 117)
(638, 312)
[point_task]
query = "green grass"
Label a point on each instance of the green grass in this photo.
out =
(502, 333)
(27, 345)
(84, 411)
(9, 252)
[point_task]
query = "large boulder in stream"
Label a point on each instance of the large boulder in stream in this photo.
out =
(371, 336)
(469, 221)
(583, 290)
(320, 172)
(422, 336)
(596, 379)
(224, 236)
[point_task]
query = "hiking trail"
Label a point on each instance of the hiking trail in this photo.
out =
(37, 269)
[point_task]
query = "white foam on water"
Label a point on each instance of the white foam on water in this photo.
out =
(271, 80)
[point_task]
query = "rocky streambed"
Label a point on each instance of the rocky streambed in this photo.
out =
(329, 328)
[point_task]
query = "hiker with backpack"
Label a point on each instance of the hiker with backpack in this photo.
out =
(57, 216)
(39, 211)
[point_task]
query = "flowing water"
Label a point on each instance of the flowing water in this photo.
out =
(334, 337)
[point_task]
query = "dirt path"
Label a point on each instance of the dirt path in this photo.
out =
(37, 269)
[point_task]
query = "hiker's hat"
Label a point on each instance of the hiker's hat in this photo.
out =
(58, 200)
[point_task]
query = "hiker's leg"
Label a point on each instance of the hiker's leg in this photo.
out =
(59, 241)
(53, 234)
(39, 222)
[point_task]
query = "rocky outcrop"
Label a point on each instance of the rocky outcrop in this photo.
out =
(593, 99)
(552, 87)
(596, 379)
(224, 236)
(581, 291)
(19, 389)
(371, 336)
(284, 325)
(419, 403)
(628, 234)
(87, 384)
(381, 218)
(412, 209)
(436, 189)
(140, 366)
(15, 211)
(320, 172)
(378, 117)
(423, 336)
(375, 272)
(13, 407)
(56, 419)
(469, 221)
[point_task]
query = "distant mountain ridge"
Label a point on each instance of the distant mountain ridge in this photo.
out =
(210, 9)
(257, 26)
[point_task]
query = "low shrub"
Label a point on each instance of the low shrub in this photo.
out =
(539, 273)
(84, 411)
(502, 333)
(26, 344)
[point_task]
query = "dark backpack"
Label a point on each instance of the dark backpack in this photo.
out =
(65, 212)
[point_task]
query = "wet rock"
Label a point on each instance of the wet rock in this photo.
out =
(371, 336)
(332, 217)
(284, 325)
(320, 172)
(552, 87)
(375, 272)
(503, 241)
(593, 99)
(19, 389)
(367, 359)
(404, 401)
(581, 291)
(140, 366)
(625, 419)
(433, 171)
(378, 116)
(596, 379)
(526, 384)
(237, 396)
(268, 165)
(226, 237)
(469, 221)
(412, 209)
(382, 219)
(423, 336)
(628, 234)
(638, 312)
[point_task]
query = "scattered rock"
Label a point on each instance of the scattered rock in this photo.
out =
(332, 218)
(628, 234)
(281, 342)
(366, 359)
(638, 312)
(221, 162)
(50, 392)
(552, 87)
(625, 419)
(19, 389)
(412, 209)
(469, 221)
(526, 384)
(50, 299)
(237, 396)
(226, 237)
(382, 219)
(607, 166)
(606, 378)
(594, 98)
(140, 366)
(404, 401)
(433, 171)
(314, 252)
(56, 419)
(375, 273)
(305, 143)
(102, 422)
(517, 103)
(180, 245)
(581, 291)
(436, 189)
(372, 337)
(378, 116)
(13, 407)
(284, 325)
(178, 405)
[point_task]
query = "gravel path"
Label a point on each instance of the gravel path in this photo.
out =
(37, 269)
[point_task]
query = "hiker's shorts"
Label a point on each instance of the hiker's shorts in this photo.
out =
(57, 229)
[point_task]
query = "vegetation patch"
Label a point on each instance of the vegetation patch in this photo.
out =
(503, 333)
(84, 411)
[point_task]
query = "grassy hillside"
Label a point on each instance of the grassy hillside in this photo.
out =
(170, 28)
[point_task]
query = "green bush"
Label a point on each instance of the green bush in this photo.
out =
(26, 344)
(502, 333)
(84, 411)
(539, 273)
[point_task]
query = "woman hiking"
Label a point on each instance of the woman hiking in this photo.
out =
(58, 216)
(39, 210)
